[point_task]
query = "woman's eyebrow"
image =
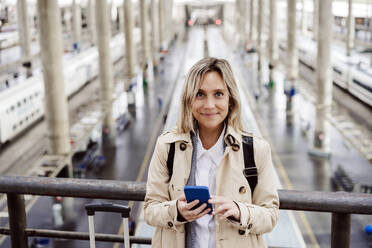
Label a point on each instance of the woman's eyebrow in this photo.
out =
(218, 89)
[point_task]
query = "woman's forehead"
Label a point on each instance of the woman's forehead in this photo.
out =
(212, 80)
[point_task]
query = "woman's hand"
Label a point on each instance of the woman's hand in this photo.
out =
(184, 209)
(225, 207)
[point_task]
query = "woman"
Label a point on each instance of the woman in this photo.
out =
(207, 142)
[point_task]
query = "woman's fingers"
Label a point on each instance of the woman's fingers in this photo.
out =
(230, 212)
(192, 204)
(222, 208)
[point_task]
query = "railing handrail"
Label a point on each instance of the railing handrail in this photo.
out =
(335, 202)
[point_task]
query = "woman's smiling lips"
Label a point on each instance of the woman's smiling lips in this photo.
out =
(209, 115)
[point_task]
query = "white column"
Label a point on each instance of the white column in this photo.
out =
(350, 29)
(130, 49)
(24, 35)
(260, 25)
(303, 18)
(161, 24)
(130, 53)
(324, 78)
(105, 70)
(274, 46)
(315, 18)
(144, 33)
(242, 22)
(252, 24)
(121, 19)
(56, 109)
(292, 56)
(91, 21)
(260, 42)
(76, 25)
(154, 32)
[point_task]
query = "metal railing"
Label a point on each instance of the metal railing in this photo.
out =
(340, 204)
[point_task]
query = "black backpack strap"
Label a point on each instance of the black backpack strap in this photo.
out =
(170, 160)
(250, 169)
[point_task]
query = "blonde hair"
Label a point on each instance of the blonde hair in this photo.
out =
(186, 121)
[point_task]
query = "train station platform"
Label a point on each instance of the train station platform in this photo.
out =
(265, 116)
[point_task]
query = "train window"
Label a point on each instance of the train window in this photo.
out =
(19, 104)
(20, 123)
(362, 85)
(24, 100)
(12, 108)
(26, 118)
(14, 126)
(335, 69)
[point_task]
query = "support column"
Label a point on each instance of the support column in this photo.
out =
(303, 18)
(260, 45)
(144, 41)
(370, 36)
(324, 79)
(260, 25)
(292, 56)
(91, 22)
(56, 109)
(252, 24)
(130, 53)
(315, 18)
(274, 46)
(105, 71)
(121, 19)
(76, 26)
(242, 23)
(169, 31)
(24, 35)
(161, 24)
(350, 29)
(154, 33)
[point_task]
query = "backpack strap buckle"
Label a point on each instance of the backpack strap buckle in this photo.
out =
(250, 172)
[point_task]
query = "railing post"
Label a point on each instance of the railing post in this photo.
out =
(340, 230)
(17, 220)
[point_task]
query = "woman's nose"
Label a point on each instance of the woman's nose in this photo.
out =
(209, 102)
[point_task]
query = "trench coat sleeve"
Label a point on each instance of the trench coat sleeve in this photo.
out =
(264, 210)
(159, 209)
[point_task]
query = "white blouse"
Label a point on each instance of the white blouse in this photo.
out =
(207, 162)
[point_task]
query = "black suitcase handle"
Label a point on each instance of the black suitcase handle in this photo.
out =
(107, 207)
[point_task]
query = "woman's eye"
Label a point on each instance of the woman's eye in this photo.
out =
(199, 94)
(219, 94)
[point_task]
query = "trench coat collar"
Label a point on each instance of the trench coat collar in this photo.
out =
(173, 136)
(236, 136)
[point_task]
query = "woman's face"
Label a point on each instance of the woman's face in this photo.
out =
(211, 104)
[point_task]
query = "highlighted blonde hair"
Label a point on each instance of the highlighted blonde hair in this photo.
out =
(186, 121)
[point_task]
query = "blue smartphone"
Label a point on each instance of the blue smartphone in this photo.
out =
(200, 193)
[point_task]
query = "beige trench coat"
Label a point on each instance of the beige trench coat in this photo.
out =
(258, 215)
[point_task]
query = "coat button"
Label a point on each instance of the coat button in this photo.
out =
(170, 224)
(235, 147)
(241, 232)
(242, 190)
(183, 146)
(249, 226)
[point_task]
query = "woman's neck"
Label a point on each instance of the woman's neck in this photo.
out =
(209, 137)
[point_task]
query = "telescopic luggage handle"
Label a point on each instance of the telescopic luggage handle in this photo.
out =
(107, 207)
(112, 208)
